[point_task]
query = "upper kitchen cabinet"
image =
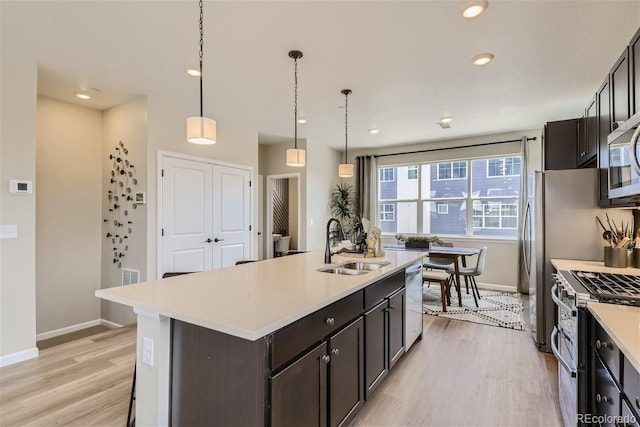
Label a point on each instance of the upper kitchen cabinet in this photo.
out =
(588, 135)
(619, 82)
(560, 144)
(634, 64)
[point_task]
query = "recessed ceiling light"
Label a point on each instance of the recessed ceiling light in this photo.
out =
(474, 8)
(482, 59)
(446, 119)
(193, 72)
(302, 120)
(82, 95)
(374, 131)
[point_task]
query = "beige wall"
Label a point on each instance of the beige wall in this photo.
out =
(68, 215)
(18, 78)
(126, 123)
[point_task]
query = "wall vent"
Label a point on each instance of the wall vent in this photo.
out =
(130, 276)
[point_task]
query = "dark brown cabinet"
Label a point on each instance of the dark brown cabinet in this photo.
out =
(588, 135)
(560, 144)
(634, 72)
(384, 334)
(606, 396)
(620, 88)
(299, 392)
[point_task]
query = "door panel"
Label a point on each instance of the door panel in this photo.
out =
(232, 201)
(376, 366)
(186, 215)
(396, 326)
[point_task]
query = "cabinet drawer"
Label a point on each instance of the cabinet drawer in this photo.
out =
(375, 293)
(608, 351)
(606, 396)
(629, 418)
(297, 337)
(631, 386)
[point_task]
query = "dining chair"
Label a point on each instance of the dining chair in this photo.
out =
(444, 280)
(472, 272)
(435, 263)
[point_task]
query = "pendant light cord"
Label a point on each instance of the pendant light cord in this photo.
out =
(346, 112)
(201, 55)
(295, 104)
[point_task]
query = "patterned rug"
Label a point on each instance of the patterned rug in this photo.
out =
(495, 308)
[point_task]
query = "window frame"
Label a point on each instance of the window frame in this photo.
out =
(383, 213)
(381, 172)
(451, 169)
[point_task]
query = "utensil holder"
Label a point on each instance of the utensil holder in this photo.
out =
(635, 258)
(615, 257)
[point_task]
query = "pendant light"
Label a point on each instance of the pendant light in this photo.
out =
(295, 156)
(201, 130)
(345, 170)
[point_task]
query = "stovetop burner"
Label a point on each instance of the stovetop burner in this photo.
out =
(611, 288)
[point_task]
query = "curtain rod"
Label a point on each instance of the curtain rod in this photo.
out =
(452, 148)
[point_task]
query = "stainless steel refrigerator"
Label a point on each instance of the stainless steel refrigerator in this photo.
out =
(559, 222)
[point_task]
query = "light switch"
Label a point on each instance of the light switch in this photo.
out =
(9, 231)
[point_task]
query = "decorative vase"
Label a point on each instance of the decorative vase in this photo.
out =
(615, 257)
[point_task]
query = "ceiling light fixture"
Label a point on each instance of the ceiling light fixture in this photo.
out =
(474, 8)
(193, 72)
(374, 131)
(302, 120)
(446, 119)
(201, 130)
(295, 156)
(482, 59)
(345, 170)
(82, 95)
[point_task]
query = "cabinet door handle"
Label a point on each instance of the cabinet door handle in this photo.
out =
(330, 321)
(335, 351)
(601, 344)
(602, 398)
(208, 241)
(325, 358)
(638, 402)
(218, 240)
(392, 307)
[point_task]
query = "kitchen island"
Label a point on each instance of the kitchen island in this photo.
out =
(233, 333)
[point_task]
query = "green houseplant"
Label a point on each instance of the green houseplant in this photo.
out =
(343, 208)
(419, 241)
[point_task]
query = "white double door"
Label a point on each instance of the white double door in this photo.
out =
(206, 213)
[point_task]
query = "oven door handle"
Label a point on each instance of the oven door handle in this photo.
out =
(634, 149)
(558, 301)
(556, 352)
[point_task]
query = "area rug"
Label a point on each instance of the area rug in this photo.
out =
(495, 308)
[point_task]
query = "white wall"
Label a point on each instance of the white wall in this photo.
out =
(126, 123)
(68, 215)
(18, 78)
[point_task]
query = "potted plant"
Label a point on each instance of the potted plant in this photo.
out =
(343, 208)
(423, 242)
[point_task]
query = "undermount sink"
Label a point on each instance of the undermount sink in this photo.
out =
(343, 271)
(354, 268)
(363, 265)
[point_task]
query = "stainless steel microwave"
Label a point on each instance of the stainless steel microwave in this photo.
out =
(624, 158)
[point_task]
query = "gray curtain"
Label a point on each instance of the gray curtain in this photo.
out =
(366, 170)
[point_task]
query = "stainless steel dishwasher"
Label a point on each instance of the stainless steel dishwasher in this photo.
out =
(413, 311)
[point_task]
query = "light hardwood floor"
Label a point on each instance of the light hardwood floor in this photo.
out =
(459, 374)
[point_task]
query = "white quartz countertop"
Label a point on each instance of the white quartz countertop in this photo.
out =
(255, 299)
(621, 322)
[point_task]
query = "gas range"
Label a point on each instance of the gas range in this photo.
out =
(610, 288)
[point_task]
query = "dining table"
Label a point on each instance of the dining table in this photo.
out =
(457, 255)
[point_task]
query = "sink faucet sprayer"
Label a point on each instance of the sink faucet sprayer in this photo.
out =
(327, 251)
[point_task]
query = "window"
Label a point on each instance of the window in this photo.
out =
(387, 212)
(412, 172)
(508, 166)
(387, 174)
(476, 197)
(452, 170)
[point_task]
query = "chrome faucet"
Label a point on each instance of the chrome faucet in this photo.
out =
(327, 251)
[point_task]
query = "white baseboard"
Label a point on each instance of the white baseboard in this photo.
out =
(496, 287)
(20, 356)
(67, 330)
(109, 324)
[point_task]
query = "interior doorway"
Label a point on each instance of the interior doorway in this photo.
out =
(282, 225)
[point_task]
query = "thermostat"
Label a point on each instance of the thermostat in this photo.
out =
(20, 186)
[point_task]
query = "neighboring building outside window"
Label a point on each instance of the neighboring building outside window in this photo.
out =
(476, 197)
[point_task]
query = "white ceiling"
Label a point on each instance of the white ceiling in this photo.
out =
(407, 62)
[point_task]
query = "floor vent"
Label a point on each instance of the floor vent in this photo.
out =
(130, 276)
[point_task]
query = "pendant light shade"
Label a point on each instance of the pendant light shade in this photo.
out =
(295, 156)
(345, 170)
(200, 129)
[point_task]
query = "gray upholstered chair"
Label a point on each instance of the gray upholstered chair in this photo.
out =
(436, 263)
(470, 273)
